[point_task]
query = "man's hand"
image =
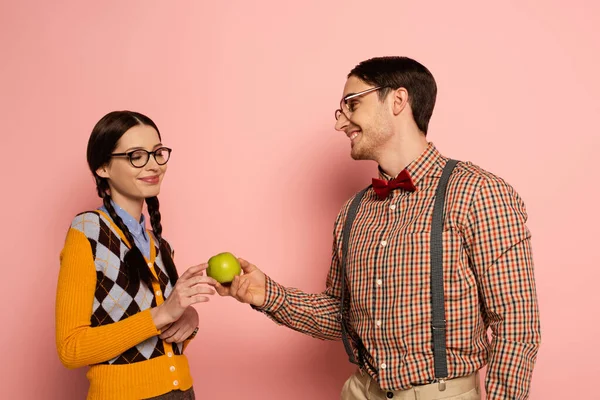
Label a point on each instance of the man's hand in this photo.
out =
(181, 329)
(247, 288)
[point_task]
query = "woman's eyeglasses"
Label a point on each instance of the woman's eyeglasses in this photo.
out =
(139, 158)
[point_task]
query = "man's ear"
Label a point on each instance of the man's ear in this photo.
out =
(400, 99)
(102, 172)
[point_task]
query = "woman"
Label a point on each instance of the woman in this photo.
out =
(121, 307)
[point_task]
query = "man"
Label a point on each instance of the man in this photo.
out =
(487, 264)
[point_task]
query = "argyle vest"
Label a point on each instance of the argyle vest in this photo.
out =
(115, 297)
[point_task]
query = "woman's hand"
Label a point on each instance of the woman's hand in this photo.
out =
(183, 328)
(191, 288)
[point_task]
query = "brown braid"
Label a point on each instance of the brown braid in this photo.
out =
(101, 186)
(137, 270)
(154, 213)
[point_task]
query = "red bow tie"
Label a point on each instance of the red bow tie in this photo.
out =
(402, 181)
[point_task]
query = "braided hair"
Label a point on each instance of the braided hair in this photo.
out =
(101, 144)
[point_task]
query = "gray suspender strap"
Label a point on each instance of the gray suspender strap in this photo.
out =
(437, 276)
(438, 314)
(345, 240)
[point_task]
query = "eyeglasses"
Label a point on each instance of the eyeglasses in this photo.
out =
(139, 158)
(347, 106)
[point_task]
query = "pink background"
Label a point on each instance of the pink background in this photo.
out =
(244, 91)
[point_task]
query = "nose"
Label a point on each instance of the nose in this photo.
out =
(341, 123)
(152, 165)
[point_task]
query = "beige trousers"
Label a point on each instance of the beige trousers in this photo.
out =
(362, 387)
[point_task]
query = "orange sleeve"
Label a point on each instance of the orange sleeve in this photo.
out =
(79, 344)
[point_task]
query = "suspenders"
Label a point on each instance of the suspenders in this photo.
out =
(438, 324)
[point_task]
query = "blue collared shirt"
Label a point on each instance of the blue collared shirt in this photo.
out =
(136, 228)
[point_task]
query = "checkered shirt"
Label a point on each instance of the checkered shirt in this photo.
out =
(488, 282)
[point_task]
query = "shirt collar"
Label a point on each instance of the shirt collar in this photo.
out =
(421, 166)
(135, 227)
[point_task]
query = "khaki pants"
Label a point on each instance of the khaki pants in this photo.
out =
(362, 387)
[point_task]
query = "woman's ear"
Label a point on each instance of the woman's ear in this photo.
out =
(102, 172)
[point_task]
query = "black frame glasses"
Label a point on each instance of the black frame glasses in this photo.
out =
(345, 108)
(140, 157)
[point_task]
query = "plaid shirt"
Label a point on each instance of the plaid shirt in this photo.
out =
(488, 282)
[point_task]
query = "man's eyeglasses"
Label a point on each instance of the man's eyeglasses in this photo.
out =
(347, 105)
(139, 158)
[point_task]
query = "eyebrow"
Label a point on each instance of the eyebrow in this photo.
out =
(141, 148)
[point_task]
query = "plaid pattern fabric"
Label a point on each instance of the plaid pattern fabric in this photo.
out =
(488, 282)
(115, 298)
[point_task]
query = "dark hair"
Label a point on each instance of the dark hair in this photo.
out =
(395, 72)
(102, 142)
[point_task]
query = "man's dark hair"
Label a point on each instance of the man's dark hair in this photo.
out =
(395, 72)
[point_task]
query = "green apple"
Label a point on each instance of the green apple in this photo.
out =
(223, 267)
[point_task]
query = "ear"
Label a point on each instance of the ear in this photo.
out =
(102, 172)
(400, 100)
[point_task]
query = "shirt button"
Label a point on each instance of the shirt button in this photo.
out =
(379, 282)
(378, 323)
(175, 383)
(393, 207)
(383, 365)
(172, 369)
(169, 354)
(389, 395)
(150, 265)
(158, 292)
(383, 243)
